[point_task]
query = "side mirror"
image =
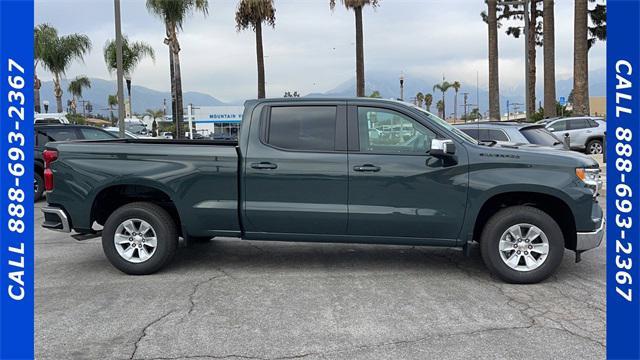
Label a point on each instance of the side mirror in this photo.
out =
(442, 147)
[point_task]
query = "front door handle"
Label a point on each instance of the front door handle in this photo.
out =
(367, 168)
(264, 166)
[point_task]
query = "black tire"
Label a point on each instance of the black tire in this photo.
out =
(164, 227)
(38, 184)
(498, 225)
(597, 144)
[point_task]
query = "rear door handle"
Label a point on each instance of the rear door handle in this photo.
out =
(264, 166)
(367, 168)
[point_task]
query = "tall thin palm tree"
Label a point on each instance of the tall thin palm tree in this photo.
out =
(57, 54)
(112, 100)
(251, 14)
(174, 13)
(42, 34)
(428, 101)
(132, 54)
(443, 87)
(419, 99)
(440, 107)
(580, 58)
(456, 87)
(548, 24)
(357, 6)
(75, 89)
(494, 80)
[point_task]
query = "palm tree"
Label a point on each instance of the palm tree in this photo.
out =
(442, 87)
(112, 100)
(357, 6)
(549, 59)
(75, 89)
(174, 13)
(252, 13)
(428, 101)
(494, 83)
(155, 114)
(580, 59)
(419, 99)
(375, 94)
(132, 54)
(58, 52)
(440, 107)
(42, 34)
(456, 86)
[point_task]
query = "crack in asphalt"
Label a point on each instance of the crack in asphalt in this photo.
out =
(194, 291)
(143, 333)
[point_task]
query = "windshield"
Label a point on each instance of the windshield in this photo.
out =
(540, 136)
(446, 125)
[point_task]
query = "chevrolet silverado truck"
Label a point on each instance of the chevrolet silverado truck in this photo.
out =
(328, 170)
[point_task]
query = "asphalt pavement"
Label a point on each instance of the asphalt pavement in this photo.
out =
(234, 299)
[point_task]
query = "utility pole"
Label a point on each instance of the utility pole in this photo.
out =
(401, 86)
(119, 72)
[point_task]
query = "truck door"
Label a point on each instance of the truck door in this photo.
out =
(296, 178)
(396, 189)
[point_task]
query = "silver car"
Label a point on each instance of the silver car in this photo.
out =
(513, 132)
(585, 133)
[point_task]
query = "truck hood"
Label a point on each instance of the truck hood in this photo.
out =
(538, 155)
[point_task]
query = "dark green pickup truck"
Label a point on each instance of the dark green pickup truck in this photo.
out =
(329, 170)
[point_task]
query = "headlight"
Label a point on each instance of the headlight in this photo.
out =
(591, 178)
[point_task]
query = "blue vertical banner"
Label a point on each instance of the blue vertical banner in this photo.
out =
(623, 183)
(16, 179)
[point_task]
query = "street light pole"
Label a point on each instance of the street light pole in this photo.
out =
(119, 71)
(401, 86)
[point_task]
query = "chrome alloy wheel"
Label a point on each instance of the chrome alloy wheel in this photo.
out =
(595, 148)
(135, 240)
(523, 247)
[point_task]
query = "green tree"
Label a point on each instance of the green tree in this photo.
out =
(251, 14)
(440, 107)
(428, 101)
(443, 87)
(174, 13)
(419, 99)
(375, 94)
(357, 6)
(132, 54)
(42, 34)
(456, 87)
(56, 53)
(112, 100)
(75, 89)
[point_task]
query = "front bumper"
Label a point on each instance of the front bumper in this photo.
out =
(592, 239)
(56, 219)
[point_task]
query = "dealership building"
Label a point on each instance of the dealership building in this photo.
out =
(219, 121)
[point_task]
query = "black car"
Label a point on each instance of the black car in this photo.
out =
(59, 132)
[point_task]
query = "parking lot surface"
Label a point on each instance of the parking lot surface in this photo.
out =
(233, 299)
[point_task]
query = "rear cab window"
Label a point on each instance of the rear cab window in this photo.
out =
(302, 128)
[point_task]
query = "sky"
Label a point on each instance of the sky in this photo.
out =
(311, 48)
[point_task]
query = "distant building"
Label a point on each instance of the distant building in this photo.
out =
(217, 121)
(598, 105)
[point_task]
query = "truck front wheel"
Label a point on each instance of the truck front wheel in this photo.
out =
(522, 245)
(139, 238)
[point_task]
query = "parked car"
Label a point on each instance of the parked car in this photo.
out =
(515, 132)
(116, 131)
(307, 170)
(167, 135)
(50, 118)
(585, 133)
(48, 133)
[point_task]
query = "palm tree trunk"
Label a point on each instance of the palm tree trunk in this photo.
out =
(494, 87)
(58, 92)
(174, 114)
(531, 77)
(129, 93)
(260, 61)
(179, 105)
(359, 53)
(36, 92)
(580, 59)
(549, 59)
(444, 108)
(455, 107)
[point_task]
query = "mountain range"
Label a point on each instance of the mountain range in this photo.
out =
(387, 83)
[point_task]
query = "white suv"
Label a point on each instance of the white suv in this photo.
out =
(586, 133)
(50, 118)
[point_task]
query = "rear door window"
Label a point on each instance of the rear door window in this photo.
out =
(497, 135)
(305, 128)
(96, 134)
(56, 134)
(577, 124)
(474, 133)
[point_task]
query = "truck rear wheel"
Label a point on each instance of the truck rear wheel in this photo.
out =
(139, 238)
(522, 245)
